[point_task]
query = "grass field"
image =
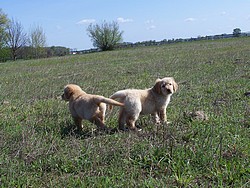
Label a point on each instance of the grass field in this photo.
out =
(40, 147)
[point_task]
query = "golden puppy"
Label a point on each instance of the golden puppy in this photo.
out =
(150, 101)
(86, 106)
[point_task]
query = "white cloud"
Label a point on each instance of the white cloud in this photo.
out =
(124, 20)
(151, 27)
(150, 24)
(190, 20)
(223, 13)
(149, 21)
(86, 21)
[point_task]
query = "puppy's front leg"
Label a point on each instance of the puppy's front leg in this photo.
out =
(162, 115)
(156, 118)
(78, 122)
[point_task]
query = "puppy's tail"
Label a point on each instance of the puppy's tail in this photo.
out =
(111, 102)
(108, 101)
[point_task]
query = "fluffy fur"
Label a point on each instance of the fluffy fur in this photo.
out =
(86, 106)
(150, 101)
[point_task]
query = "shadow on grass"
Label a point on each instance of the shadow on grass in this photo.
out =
(146, 128)
(69, 129)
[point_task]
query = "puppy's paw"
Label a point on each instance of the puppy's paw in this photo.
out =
(135, 129)
(123, 129)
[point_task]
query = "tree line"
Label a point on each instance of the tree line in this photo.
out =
(99, 30)
(236, 33)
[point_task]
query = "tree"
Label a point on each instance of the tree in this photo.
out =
(3, 24)
(37, 40)
(236, 32)
(4, 52)
(16, 38)
(105, 36)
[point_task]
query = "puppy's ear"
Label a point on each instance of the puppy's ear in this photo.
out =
(157, 86)
(68, 91)
(175, 85)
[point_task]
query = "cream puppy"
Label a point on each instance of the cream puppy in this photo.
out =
(150, 101)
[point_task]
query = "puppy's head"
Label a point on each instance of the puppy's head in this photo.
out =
(165, 86)
(69, 91)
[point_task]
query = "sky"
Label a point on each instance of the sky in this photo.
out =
(65, 21)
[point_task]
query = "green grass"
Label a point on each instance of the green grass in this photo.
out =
(40, 148)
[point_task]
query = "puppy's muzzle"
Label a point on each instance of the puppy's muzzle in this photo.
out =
(169, 91)
(63, 97)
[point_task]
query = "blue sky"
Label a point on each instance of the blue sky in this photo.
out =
(65, 21)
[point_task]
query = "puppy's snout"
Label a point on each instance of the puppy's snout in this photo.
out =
(169, 91)
(63, 98)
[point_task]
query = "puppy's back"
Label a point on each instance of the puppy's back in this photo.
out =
(119, 94)
(122, 94)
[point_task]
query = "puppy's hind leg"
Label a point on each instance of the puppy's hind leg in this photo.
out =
(98, 122)
(102, 111)
(131, 123)
(122, 120)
